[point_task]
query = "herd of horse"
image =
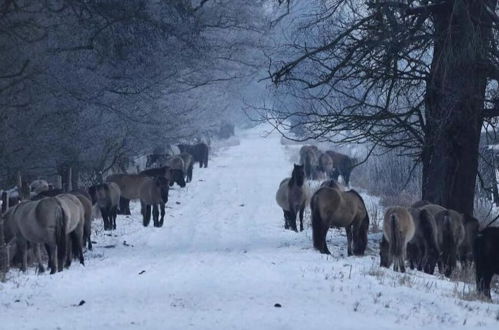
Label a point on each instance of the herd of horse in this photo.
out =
(61, 221)
(425, 235)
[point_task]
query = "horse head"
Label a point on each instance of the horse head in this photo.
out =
(177, 176)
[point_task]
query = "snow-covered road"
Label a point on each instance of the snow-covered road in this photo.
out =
(223, 260)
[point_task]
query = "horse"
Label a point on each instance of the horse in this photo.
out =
(188, 165)
(129, 185)
(398, 230)
(153, 192)
(74, 213)
(450, 236)
(326, 165)
(423, 251)
(87, 216)
(173, 175)
(486, 256)
(292, 197)
(343, 165)
(107, 197)
(309, 158)
(39, 222)
(336, 208)
(198, 151)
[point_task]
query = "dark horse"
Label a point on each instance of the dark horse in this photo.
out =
(292, 197)
(154, 192)
(198, 151)
(107, 197)
(486, 255)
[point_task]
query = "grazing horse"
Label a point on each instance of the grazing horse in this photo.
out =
(154, 192)
(171, 174)
(176, 163)
(423, 251)
(292, 197)
(342, 164)
(40, 222)
(486, 256)
(336, 208)
(198, 151)
(188, 165)
(450, 236)
(107, 197)
(333, 184)
(309, 158)
(326, 165)
(398, 230)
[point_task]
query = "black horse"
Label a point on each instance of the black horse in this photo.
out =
(486, 255)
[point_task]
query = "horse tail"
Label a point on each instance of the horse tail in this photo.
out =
(395, 237)
(317, 224)
(60, 234)
(428, 230)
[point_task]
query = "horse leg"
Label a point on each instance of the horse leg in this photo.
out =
(23, 248)
(38, 254)
(292, 220)
(162, 219)
(286, 219)
(69, 251)
(112, 217)
(301, 216)
(62, 253)
(147, 215)
(52, 253)
(349, 239)
(78, 244)
(155, 215)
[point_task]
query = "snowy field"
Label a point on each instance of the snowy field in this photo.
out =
(223, 260)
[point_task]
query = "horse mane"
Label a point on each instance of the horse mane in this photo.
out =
(358, 195)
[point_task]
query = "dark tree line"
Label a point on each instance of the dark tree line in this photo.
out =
(415, 75)
(84, 83)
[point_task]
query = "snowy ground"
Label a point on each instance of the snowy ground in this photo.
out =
(223, 260)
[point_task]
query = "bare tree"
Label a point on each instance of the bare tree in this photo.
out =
(411, 75)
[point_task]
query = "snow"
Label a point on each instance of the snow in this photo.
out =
(223, 260)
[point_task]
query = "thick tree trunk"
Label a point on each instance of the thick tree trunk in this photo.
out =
(454, 104)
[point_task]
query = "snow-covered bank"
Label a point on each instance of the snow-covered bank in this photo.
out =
(223, 260)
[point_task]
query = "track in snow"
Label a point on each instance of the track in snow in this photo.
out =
(222, 260)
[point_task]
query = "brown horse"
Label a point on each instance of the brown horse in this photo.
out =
(335, 208)
(154, 192)
(423, 251)
(39, 222)
(450, 237)
(292, 197)
(398, 230)
(129, 185)
(309, 158)
(107, 197)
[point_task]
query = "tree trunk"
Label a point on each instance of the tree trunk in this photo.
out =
(454, 103)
